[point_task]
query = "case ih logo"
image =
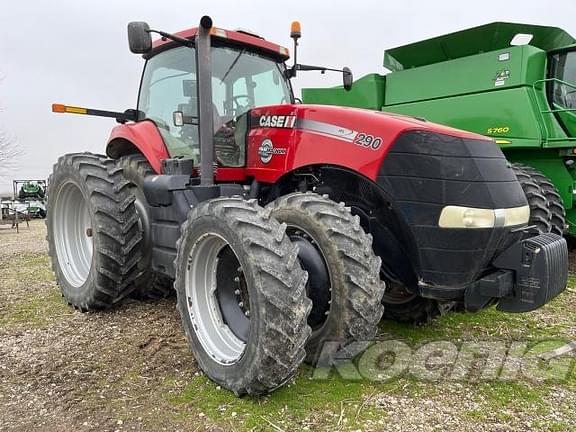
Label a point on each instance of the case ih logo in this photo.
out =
(277, 121)
(267, 150)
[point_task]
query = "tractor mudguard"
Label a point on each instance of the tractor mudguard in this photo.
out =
(143, 137)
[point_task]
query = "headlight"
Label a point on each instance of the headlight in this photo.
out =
(468, 217)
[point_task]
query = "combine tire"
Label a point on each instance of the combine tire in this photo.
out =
(241, 295)
(343, 274)
(93, 235)
(150, 284)
(540, 214)
(553, 199)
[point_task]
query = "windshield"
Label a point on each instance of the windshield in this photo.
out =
(244, 80)
(563, 68)
(241, 80)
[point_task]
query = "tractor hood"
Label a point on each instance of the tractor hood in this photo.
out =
(286, 137)
(422, 168)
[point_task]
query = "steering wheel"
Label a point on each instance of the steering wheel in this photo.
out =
(238, 106)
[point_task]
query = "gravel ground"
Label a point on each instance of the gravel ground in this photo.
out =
(62, 370)
(75, 371)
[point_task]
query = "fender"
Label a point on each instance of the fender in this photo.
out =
(140, 137)
(283, 138)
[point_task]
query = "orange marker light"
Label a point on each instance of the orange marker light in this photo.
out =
(58, 108)
(295, 30)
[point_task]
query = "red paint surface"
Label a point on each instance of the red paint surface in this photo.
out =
(303, 147)
(145, 136)
(241, 38)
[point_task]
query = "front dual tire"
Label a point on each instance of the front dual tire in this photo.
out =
(261, 290)
(241, 295)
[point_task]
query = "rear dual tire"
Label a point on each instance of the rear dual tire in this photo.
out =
(150, 285)
(93, 235)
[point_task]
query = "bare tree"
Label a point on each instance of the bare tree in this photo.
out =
(10, 151)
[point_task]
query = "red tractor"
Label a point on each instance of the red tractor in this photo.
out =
(278, 224)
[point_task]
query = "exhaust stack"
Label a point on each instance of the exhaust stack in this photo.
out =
(206, 120)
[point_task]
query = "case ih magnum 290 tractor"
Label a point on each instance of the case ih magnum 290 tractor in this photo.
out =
(280, 224)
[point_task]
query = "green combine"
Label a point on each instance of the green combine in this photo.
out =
(30, 197)
(513, 82)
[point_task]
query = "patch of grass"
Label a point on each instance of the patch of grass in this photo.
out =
(299, 403)
(35, 310)
(320, 404)
(43, 304)
(504, 400)
(499, 394)
(29, 268)
(489, 323)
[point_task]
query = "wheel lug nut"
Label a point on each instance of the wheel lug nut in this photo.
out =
(236, 279)
(239, 269)
(237, 292)
(247, 313)
(241, 304)
(89, 232)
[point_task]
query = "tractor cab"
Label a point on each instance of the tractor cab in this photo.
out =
(243, 76)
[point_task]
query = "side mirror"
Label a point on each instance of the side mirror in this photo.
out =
(347, 78)
(139, 37)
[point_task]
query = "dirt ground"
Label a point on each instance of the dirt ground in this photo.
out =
(130, 369)
(68, 370)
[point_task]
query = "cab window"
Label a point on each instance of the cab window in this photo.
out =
(564, 69)
(168, 86)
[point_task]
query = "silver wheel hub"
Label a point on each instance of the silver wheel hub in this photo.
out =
(204, 310)
(73, 234)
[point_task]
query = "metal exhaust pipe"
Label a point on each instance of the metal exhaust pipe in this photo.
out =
(205, 113)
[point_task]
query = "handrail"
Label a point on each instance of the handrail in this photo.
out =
(551, 111)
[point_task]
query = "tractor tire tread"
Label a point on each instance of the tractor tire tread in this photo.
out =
(362, 288)
(150, 285)
(285, 307)
(116, 258)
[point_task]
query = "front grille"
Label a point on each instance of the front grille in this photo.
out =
(426, 171)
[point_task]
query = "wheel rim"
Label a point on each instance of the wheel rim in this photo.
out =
(217, 299)
(319, 286)
(73, 234)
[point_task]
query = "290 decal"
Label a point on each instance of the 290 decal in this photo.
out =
(366, 140)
